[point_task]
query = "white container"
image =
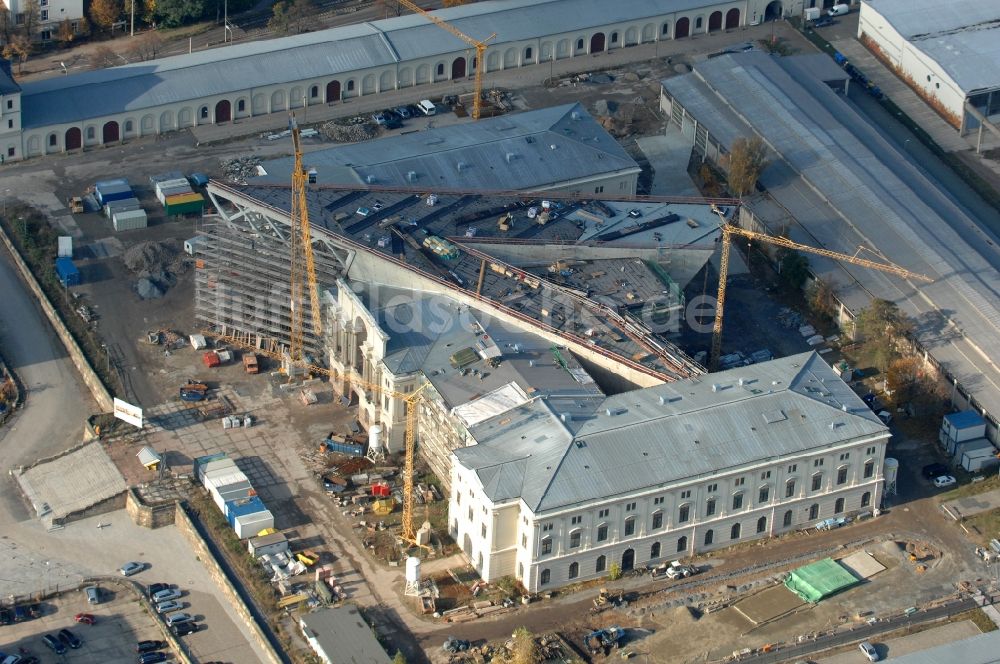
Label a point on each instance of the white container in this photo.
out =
(198, 341)
(129, 220)
(65, 249)
(170, 184)
(194, 244)
(248, 525)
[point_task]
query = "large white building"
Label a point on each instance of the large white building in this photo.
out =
(555, 495)
(327, 66)
(50, 14)
(949, 52)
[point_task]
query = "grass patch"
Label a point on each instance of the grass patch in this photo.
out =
(972, 488)
(981, 620)
(984, 526)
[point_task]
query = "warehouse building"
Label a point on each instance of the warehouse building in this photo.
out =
(839, 183)
(560, 148)
(340, 634)
(274, 76)
(949, 52)
(664, 472)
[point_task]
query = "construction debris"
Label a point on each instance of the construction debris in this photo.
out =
(239, 169)
(351, 130)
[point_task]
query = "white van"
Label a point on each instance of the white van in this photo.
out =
(839, 10)
(93, 594)
(427, 107)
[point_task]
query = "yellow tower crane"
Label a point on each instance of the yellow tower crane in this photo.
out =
(303, 265)
(729, 230)
(480, 46)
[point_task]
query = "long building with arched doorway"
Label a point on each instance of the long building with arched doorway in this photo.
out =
(326, 67)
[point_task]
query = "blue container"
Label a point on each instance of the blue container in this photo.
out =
(113, 192)
(345, 448)
(67, 272)
(242, 507)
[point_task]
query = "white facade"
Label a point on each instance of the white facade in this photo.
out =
(652, 527)
(254, 101)
(51, 14)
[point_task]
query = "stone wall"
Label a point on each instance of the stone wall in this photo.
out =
(106, 506)
(90, 379)
(229, 592)
(150, 516)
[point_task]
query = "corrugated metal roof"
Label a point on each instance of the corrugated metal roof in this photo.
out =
(343, 636)
(962, 36)
(884, 201)
(965, 419)
(530, 150)
(666, 434)
(325, 53)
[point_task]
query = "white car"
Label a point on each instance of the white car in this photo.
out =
(169, 606)
(869, 651)
(128, 569)
(943, 481)
(166, 595)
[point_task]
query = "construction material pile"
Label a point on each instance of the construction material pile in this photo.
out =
(157, 266)
(239, 169)
(351, 130)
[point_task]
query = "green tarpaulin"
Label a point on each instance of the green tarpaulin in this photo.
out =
(820, 580)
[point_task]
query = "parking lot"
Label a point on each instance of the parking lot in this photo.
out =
(120, 622)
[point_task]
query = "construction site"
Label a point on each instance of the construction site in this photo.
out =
(513, 368)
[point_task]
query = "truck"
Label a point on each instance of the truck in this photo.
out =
(193, 391)
(250, 363)
(678, 570)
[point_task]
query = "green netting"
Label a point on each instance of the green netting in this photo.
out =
(819, 580)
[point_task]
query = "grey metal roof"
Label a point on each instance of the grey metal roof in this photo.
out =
(339, 50)
(344, 635)
(531, 150)
(665, 434)
(962, 36)
(979, 649)
(425, 330)
(837, 166)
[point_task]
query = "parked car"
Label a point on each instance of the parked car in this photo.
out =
(168, 594)
(149, 646)
(93, 594)
(184, 629)
(70, 639)
(152, 658)
(455, 645)
(869, 651)
(178, 618)
(932, 470)
(169, 606)
(128, 569)
(54, 643)
(944, 481)
(403, 112)
(680, 571)
(85, 619)
(823, 21)
(414, 110)
(154, 588)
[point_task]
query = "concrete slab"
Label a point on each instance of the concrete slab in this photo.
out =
(769, 604)
(862, 564)
(981, 502)
(72, 482)
(668, 155)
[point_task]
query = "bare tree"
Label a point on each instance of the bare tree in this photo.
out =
(145, 46)
(103, 57)
(32, 12)
(65, 34)
(883, 327)
(18, 48)
(747, 160)
(6, 24)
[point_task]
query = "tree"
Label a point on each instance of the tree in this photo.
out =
(794, 268)
(145, 46)
(104, 13)
(747, 160)
(299, 14)
(280, 22)
(821, 300)
(400, 658)
(174, 13)
(6, 25)
(18, 48)
(65, 34)
(103, 57)
(883, 325)
(32, 12)
(614, 572)
(524, 649)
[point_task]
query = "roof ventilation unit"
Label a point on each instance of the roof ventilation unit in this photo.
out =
(511, 157)
(575, 115)
(844, 407)
(411, 176)
(665, 399)
(566, 417)
(460, 166)
(741, 382)
(370, 179)
(616, 411)
(716, 387)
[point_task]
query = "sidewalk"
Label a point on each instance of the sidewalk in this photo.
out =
(689, 49)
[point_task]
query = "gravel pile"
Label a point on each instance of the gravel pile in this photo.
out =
(157, 266)
(239, 169)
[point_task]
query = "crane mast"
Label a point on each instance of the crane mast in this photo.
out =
(303, 264)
